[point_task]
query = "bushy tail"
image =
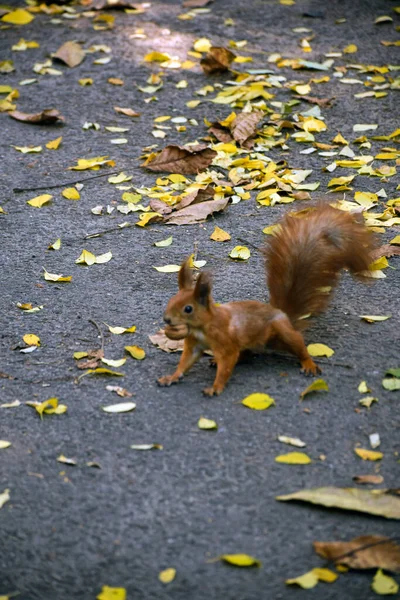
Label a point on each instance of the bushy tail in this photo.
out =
(305, 256)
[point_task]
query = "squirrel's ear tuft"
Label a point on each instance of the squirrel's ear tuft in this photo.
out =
(202, 290)
(185, 279)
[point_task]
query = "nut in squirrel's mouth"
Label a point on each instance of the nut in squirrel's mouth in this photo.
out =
(176, 332)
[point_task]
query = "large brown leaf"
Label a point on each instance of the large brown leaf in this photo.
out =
(217, 60)
(323, 102)
(176, 159)
(196, 213)
(70, 53)
(49, 116)
(373, 551)
(160, 340)
(387, 250)
(195, 197)
(245, 125)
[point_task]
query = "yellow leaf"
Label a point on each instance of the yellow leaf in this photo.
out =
(85, 81)
(219, 235)
(4, 444)
(242, 59)
(66, 461)
(120, 330)
(48, 407)
(121, 178)
(373, 319)
(113, 363)
(202, 45)
(341, 180)
(339, 139)
(368, 454)
(156, 57)
(27, 149)
(18, 17)
(103, 258)
(294, 458)
(193, 103)
(380, 263)
(395, 240)
(363, 388)
(164, 243)
(383, 585)
(315, 386)
(92, 163)
(79, 355)
(122, 407)
(55, 277)
(240, 253)
(204, 423)
(350, 49)
(258, 401)
(241, 560)
(111, 593)
(325, 575)
(167, 575)
(136, 352)
(39, 201)
(320, 350)
(56, 245)
(145, 218)
(71, 193)
(86, 258)
(271, 229)
(168, 269)
(4, 497)
(367, 401)
(54, 144)
(131, 197)
(306, 581)
(103, 371)
(31, 339)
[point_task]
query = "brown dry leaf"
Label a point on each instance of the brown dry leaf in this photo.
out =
(364, 479)
(217, 60)
(382, 552)
(196, 213)
(220, 132)
(176, 159)
(105, 4)
(70, 53)
(195, 197)
(160, 340)
(385, 250)
(195, 3)
(88, 364)
(323, 102)
(128, 112)
(49, 116)
(244, 125)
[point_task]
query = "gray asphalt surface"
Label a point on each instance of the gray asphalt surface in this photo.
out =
(67, 531)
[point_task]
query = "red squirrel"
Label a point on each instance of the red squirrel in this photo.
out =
(304, 258)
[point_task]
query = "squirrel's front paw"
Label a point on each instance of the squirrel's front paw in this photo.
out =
(168, 380)
(309, 367)
(211, 391)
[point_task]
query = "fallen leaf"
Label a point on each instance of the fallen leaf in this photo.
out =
(70, 53)
(4, 444)
(240, 253)
(368, 454)
(11, 404)
(92, 163)
(66, 461)
(19, 16)
(382, 505)
(86, 258)
(258, 401)
(120, 391)
(176, 159)
(204, 423)
(48, 407)
(382, 584)
(146, 447)
(55, 277)
(316, 386)
(128, 112)
(4, 497)
(391, 383)
(320, 350)
(31, 339)
(291, 441)
(219, 235)
(167, 575)
(244, 126)
(294, 458)
(113, 363)
(120, 330)
(28, 149)
(122, 407)
(136, 352)
(39, 201)
(111, 593)
(240, 560)
(103, 371)
(217, 60)
(164, 243)
(71, 193)
(49, 116)
(160, 340)
(306, 581)
(195, 3)
(55, 245)
(350, 49)
(364, 479)
(196, 213)
(374, 319)
(368, 401)
(364, 552)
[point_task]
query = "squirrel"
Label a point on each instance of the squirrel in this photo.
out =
(303, 260)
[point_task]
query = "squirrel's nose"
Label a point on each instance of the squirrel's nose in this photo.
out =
(167, 320)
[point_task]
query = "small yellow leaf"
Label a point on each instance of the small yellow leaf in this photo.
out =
(202, 45)
(383, 585)
(164, 243)
(325, 575)
(122, 407)
(136, 352)
(258, 401)
(71, 193)
(4, 444)
(320, 350)
(48, 407)
(103, 258)
(55, 277)
(54, 144)
(121, 178)
(167, 575)
(368, 401)
(315, 386)
(66, 461)
(395, 240)
(350, 49)
(294, 458)
(363, 388)
(219, 235)
(204, 423)
(111, 593)
(241, 560)
(31, 339)
(38, 201)
(240, 253)
(291, 441)
(4, 497)
(120, 330)
(79, 355)
(113, 363)
(85, 81)
(339, 139)
(146, 218)
(193, 103)
(168, 269)
(368, 454)
(374, 319)
(86, 258)
(28, 149)
(103, 371)
(156, 57)
(306, 581)
(55, 245)
(18, 17)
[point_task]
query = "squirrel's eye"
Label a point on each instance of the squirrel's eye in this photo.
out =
(188, 309)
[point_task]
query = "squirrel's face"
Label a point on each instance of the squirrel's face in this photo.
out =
(187, 309)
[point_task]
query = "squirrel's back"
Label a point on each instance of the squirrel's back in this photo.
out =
(305, 255)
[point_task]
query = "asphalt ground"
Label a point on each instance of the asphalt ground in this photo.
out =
(69, 530)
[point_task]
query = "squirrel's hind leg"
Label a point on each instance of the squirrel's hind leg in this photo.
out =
(294, 341)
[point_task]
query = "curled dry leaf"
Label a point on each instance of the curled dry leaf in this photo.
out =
(196, 213)
(49, 116)
(364, 479)
(128, 112)
(120, 391)
(217, 60)
(382, 505)
(244, 126)
(177, 159)
(364, 552)
(160, 340)
(70, 53)
(319, 385)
